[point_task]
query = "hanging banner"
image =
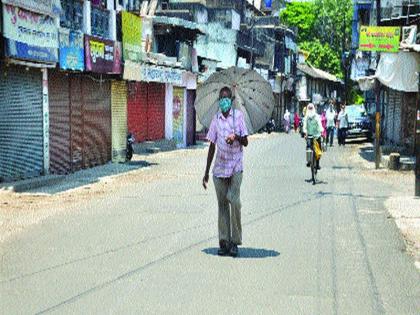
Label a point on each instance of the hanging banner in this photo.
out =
(131, 37)
(102, 56)
(29, 35)
(71, 50)
(380, 38)
(48, 7)
(178, 115)
(161, 75)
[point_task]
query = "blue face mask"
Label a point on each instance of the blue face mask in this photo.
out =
(225, 104)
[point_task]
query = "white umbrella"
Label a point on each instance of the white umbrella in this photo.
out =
(253, 96)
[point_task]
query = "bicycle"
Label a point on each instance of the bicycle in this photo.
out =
(311, 158)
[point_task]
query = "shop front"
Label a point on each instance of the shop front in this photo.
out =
(30, 43)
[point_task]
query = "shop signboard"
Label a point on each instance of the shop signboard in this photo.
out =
(380, 38)
(102, 56)
(47, 7)
(71, 50)
(161, 75)
(178, 115)
(131, 37)
(29, 35)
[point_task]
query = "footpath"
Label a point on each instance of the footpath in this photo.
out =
(403, 207)
(27, 202)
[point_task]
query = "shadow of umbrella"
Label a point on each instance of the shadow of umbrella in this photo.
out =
(246, 252)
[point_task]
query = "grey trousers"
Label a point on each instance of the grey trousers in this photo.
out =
(228, 191)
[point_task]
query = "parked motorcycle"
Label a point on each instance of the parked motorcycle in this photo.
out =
(130, 150)
(270, 126)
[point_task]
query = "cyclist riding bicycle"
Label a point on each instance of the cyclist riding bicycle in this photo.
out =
(312, 127)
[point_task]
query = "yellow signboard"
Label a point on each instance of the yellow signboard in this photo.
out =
(379, 38)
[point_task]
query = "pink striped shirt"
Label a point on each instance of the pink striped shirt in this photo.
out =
(229, 157)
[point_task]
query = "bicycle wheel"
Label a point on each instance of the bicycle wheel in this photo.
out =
(313, 168)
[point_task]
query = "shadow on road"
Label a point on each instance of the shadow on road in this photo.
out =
(318, 182)
(91, 176)
(367, 153)
(246, 252)
(327, 193)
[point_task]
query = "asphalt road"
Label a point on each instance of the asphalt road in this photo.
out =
(150, 248)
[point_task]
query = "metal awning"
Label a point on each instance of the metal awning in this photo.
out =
(178, 23)
(317, 73)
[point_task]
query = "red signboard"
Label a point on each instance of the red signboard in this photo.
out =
(102, 56)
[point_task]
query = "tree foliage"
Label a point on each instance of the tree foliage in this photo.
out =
(324, 29)
(302, 16)
(333, 23)
(322, 56)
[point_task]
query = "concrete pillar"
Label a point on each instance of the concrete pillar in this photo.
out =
(87, 25)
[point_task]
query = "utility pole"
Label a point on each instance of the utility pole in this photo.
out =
(417, 143)
(378, 103)
(252, 35)
(378, 125)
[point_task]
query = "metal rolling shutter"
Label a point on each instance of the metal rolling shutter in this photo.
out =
(137, 110)
(156, 111)
(119, 120)
(76, 123)
(393, 117)
(408, 120)
(59, 102)
(21, 124)
(96, 122)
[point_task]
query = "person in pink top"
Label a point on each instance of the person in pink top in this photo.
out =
(229, 134)
(324, 124)
(296, 121)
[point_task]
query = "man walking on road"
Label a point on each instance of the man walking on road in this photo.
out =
(331, 116)
(343, 125)
(229, 133)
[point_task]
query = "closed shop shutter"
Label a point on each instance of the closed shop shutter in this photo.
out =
(190, 117)
(59, 102)
(408, 120)
(146, 110)
(21, 123)
(119, 120)
(96, 122)
(393, 117)
(76, 120)
(156, 111)
(137, 110)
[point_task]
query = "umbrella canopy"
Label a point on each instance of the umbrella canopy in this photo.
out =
(253, 96)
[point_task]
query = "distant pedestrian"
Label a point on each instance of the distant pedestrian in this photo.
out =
(296, 122)
(324, 124)
(343, 125)
(286, 118)
(331, 117)
(228, 133)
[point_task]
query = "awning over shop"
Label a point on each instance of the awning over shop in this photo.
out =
(397, 71)
(178, 23)
(317, 73)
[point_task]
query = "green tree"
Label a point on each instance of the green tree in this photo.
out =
(322, 56)
(324, 30)
(302, 16)
(333, 23)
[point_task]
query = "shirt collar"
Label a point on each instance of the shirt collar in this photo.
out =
(223, 117)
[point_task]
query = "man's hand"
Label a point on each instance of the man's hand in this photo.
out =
(205, 180)
(230, 139)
